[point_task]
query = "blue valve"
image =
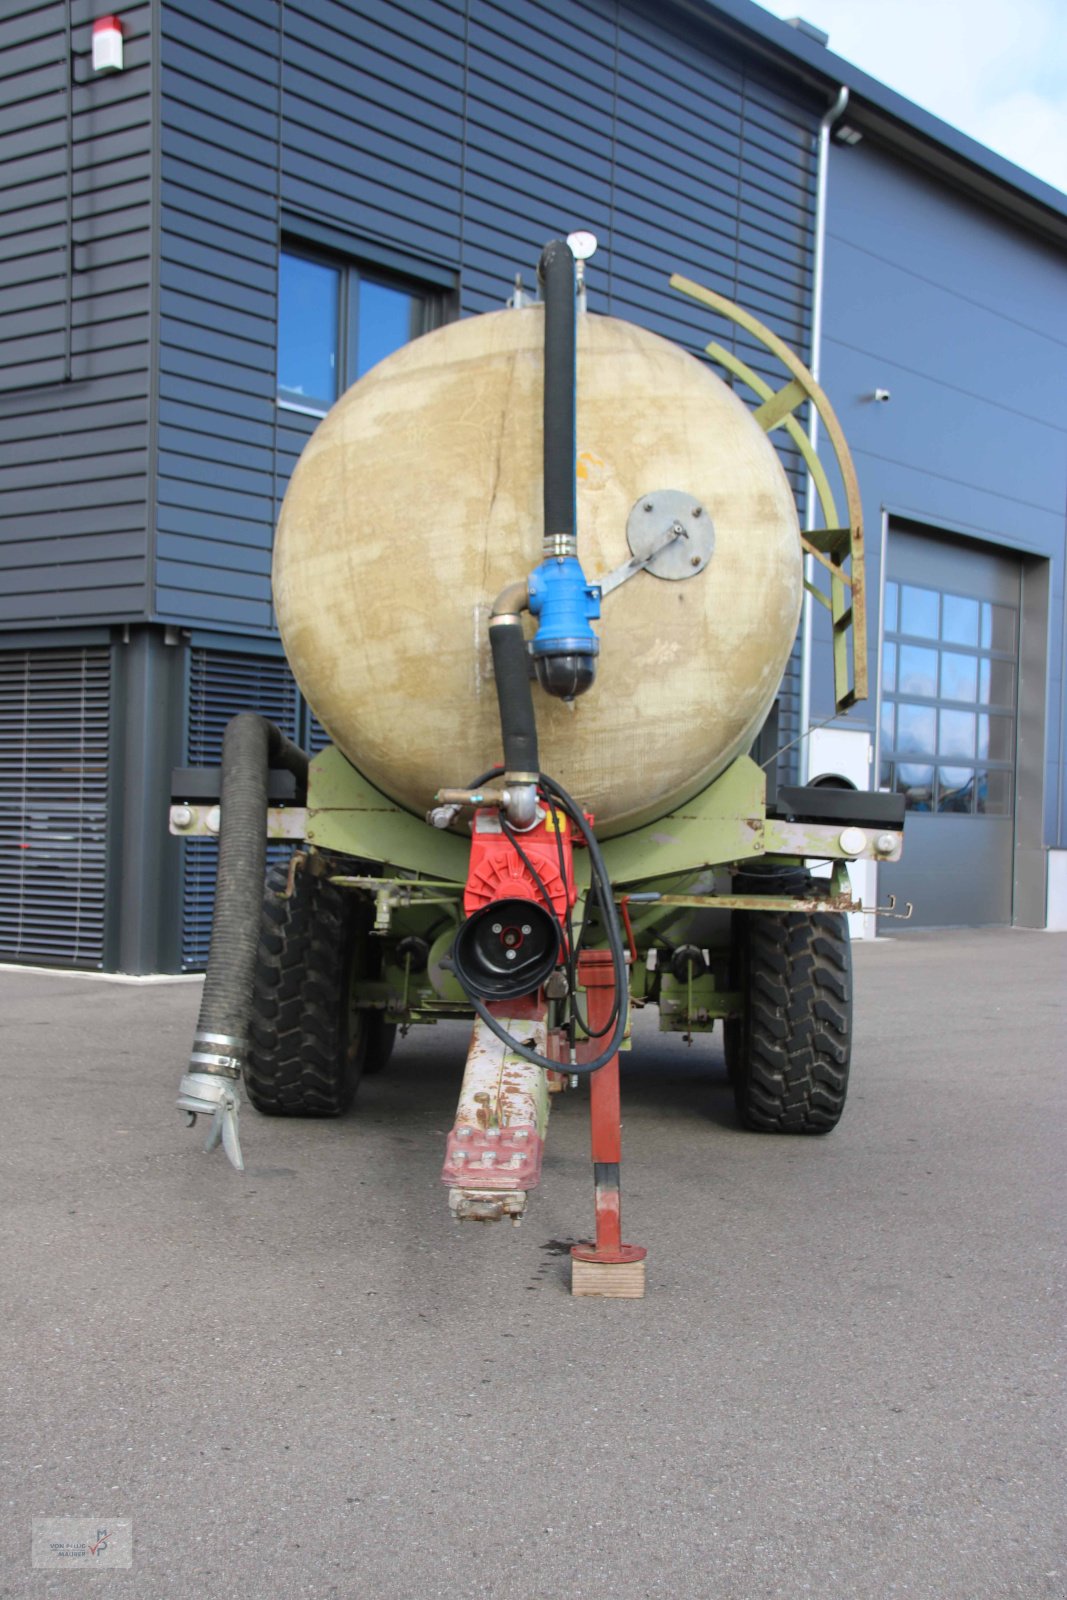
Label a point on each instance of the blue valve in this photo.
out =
(564, 647)
(565, 604)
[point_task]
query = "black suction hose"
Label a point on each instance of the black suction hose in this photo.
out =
(556, 272)
(251, 747)
(518, 726)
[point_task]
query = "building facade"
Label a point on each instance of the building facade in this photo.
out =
(204, 248)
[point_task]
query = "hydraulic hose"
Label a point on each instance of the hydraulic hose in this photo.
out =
(251, 747)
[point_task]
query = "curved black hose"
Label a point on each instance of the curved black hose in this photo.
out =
(518, 725)
(251, 746)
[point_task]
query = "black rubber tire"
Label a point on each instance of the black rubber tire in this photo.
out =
(308, 1046)
(788, 1053)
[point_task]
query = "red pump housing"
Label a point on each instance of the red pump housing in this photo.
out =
(498, 872)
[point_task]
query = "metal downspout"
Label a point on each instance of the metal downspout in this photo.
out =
(818, 268)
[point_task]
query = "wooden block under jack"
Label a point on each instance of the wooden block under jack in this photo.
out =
(608, 1280)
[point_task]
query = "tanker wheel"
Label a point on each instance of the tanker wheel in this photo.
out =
(788, 1052)
(308, 1045)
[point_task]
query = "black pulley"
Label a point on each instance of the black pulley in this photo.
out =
(506, 950)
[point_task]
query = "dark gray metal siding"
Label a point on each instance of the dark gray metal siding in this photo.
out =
(433, 136)
(75, 275)
(218, 272)
(963, 317)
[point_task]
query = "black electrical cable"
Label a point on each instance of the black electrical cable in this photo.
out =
(569, 954)
(613, 931)
(510, 834)
(600, 887)
(601, 881)
(493, 772)
(572, 958)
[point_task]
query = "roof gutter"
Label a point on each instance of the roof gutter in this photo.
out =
(890, 120)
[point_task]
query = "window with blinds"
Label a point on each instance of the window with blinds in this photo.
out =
(54, 746)
(222, 683)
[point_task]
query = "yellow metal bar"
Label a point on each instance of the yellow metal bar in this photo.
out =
(824, 561)
(740, 369)
(776, 411)
(773, 412)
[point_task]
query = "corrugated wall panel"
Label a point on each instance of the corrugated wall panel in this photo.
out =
(55, 708)
(462, 136)
(218, 268)
(75, 274)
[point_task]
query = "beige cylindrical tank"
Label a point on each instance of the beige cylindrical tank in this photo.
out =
(418, 498)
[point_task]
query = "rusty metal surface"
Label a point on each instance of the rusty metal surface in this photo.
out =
(824, 840)
(283, 822)
(496, 1143)
(762, 902)
(596, 974)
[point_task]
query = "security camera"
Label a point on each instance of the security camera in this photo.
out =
(882, 394)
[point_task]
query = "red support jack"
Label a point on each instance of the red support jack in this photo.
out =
(608, 1267)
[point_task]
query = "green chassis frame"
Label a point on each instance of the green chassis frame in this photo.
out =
(663, 876)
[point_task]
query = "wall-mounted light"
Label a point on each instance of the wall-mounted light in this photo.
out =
(845, 133)
(107, 45)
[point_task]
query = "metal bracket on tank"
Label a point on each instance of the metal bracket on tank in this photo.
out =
(671, 536)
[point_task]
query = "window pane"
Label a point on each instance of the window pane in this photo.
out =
(918, 611)
(890, 608)
(917, 786)
(308, 323)
(889, 667)
(956, 736)
(996, 738)
(993, 793)
(915, 729)
(918, 670)
(959, 676)
(387, 319)
(888, 742)
(955, 789)
(959, 619)
(998, 683)
(998, 628)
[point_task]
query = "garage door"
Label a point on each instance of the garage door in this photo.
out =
(947, 719)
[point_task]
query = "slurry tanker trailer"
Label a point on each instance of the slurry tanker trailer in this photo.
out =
(539, 574)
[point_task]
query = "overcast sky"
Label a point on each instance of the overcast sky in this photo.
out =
(996, 69)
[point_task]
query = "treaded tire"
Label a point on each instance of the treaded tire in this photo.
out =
(788, 1053)
(308, 1046)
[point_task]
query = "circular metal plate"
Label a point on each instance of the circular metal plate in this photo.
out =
(664, 513)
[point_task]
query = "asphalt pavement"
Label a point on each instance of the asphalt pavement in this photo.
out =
(845, 1380)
